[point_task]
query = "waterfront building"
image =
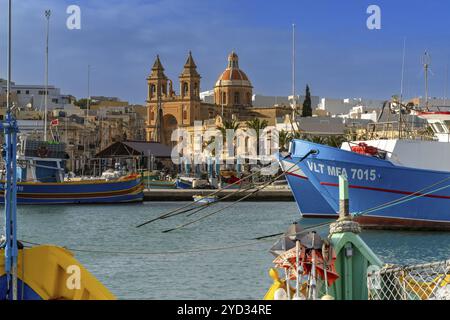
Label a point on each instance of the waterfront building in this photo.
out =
(332, 106)
(33, 96)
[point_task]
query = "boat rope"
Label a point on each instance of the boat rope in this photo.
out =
(202, 207)
(265, 185)
(177, 210)
(172, 212)
(174, 252)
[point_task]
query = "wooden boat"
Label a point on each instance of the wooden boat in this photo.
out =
(52, 273)
(41, 180)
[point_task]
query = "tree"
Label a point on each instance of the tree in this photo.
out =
(257, 125)
(307, 109)
(284, 138)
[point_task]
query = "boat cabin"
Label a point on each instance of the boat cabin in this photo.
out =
(439, 122)
(40, 161)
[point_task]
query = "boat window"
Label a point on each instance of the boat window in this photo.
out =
(447, 123)
(439, 128)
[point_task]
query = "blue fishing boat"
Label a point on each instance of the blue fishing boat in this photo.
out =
(405, 184)
(41, 180)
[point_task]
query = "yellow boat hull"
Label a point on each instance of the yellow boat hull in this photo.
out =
(52, 273)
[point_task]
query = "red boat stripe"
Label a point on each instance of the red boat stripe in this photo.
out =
(297, 175)
(387, 190)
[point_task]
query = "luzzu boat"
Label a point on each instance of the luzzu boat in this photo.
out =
(41, 180)
(394, 183)
(52, 273)
(41, 272)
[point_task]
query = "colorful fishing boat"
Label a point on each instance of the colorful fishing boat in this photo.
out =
(42, 272)
(152, 180)
(41, 180)
(397, 183)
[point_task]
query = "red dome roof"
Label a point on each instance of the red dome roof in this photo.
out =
(233, 76)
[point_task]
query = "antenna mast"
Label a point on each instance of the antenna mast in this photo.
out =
(47, 16)
(446, 85)
(294, 100)
(403, 70)
(426, 61)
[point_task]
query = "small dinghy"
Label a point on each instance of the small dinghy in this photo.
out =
(204, 199)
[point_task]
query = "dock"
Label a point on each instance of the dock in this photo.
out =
(283, 194)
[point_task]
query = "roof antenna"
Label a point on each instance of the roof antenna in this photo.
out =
(426, 62)
(403, 71)
(294, 101)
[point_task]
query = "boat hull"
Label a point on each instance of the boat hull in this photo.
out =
(52, 273)
(127, 189)
(389, 196)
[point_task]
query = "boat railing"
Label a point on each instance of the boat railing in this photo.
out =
(397, 130)
(430, 281)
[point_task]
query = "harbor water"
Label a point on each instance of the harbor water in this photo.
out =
(134, 263)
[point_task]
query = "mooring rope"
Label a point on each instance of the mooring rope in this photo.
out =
(171, 213)
(255, 241)
(244, 197)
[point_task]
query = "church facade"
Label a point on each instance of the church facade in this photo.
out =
(167, 110)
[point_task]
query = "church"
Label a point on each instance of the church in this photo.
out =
(167, 111)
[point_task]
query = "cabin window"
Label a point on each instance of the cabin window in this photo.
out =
(447, 123)
(438, 127)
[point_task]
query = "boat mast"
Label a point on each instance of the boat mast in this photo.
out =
(401, 90)
(47, 17)
(294, 100)
(88, 102)
(426, 61)
(446, 85)
(10, 130)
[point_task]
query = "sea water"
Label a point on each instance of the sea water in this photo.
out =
(144, 263)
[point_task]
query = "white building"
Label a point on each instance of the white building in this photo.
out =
(344, 106)
(361, 112)
(34, 95)
(269, 101)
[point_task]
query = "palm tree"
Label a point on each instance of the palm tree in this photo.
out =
(284, 138)
(228, 125)
(257, 125)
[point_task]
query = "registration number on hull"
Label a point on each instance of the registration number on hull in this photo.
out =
(335, 171)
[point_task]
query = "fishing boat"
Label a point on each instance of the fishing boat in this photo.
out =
(43, 272)
(183, 182)
(396, 183)
(204, 199)
(41, 179)
(152, 180)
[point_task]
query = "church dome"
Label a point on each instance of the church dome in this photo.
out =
(233, 76)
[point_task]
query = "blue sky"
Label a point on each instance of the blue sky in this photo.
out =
(336, 54)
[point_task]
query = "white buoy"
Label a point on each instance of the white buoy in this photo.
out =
(280, 294)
